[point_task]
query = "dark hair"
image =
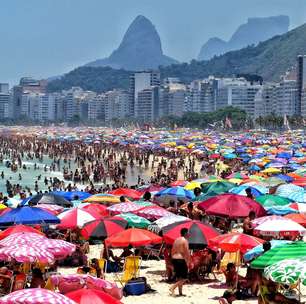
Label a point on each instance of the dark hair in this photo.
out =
(184, 231)
(229, 266)
(172, 203)
(122, 199)
(190, 205)
(252, 213)
(147, 196)
(248, 190)
(266, 246)
(197, 190)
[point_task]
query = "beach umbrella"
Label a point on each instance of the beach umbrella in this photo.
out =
(299, 207)
(27, 216)
(76, 218)
(299, 218)
(35, 296)
(180, 183)
(232, 242)
(150, 188)
(286, 178)
(49, 198)
(299, 197)
(260, 220)
(72, 195)
(280, 210)
(157, 225)
(104, 227)
(143, 203)
(134, 220)
(238, 175)
(54, 209)
(133, 237)
(271, 170)
(199, 233)
(258, 250)
(254, 168)
(287, 251)
(289, 271)
(103, 198)
(17, 229)
(126, 192)
(94, 208)
(26, 254)
(241, 190)
(152, 212)
(287, 189)
(217, 187)
(124, 208)
(21, 238)
(279, 227)
(88, 296)
(300, 182)
(272, 200)
(192, 185)
(173, 194)
(232, 206)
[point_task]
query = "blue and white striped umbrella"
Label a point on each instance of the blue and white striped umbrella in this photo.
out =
(287, 189)
(173, 193)
(299, 197)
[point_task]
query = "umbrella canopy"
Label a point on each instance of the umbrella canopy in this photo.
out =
(87, 296)
(199, 233)
(300, 207)
(72, 195)
(287, 189)
(287, 251)
(130, 193)
(192, 185)
(49, 198)
(104, 227)
(231, 205)
(17, 229)
(288, 271)
(123, 208)
(27, 216)
(232, 242)
(157, 225)
(299, 197)
(241, 190)
(134, 221)
(76, 218)
(269, 200)
(279, 227)
(133, 237)
(180, 183)
(54, 209)
(217, 187)
(173, 194)
(299, 218)
(260, 220)
(152, 212)
(258, 250)
(35, 296)
(103, 198)
(94, 208)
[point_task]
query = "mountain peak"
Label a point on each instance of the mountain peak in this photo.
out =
(139, 49)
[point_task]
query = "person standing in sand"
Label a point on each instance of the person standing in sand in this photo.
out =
(181, 260)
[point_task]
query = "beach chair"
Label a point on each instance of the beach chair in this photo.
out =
(131, 269)
(153, 252)
(102, 264)
(230, 257)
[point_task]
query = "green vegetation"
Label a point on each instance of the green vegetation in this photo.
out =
(273, 122)
(99, 79)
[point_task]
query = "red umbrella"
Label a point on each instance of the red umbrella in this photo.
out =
(152, 212)
(91, 296)
(199, 233)
(130, 193)
(299, 218)
(95, 208)
(180, 183)
(232, 206)
(17, 229)
(232, 242)
(104, 228)
(134, 237)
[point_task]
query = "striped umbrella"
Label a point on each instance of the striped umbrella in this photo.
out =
(175, 194)
(54, 209)
(134, 221)
(287, 189)
(165, 221)
(21, 238)
(35, 296)
(153, 212)
(299, 197)
(288, 251)
(123, 208)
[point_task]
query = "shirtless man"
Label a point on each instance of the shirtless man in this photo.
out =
(180, 260)
(247, 223)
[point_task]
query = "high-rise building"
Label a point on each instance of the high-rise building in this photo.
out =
(4, 88)
(116, 104)
(5, 99)
(96, 108)
(301, 83)
(140, 81)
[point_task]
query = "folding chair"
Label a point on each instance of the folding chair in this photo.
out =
(102, 264)
(154, 252)
(131, 269)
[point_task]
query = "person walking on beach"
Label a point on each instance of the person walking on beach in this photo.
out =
(181, 260)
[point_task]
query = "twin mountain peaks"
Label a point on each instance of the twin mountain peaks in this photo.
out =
(141, 47)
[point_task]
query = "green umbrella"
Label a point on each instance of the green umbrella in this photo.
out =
(135, 221)
(202, 197)
(269, 200)
(287, 271)
(217, 187)
(288, 251)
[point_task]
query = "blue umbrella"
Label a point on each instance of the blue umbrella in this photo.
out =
(241, 190)
(254, 168)
(71, 195)
(286, 155)
(286, 178)
(27, 216)
(299, 197)
(280, 210)
(258, 250)
(174, 193)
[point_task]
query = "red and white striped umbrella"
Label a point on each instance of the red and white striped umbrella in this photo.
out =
(260, 220)
(54, 209)
(123, 208)
(153, 212)
(35, 296)
(26, 254)
(76, 218)
(21, 238)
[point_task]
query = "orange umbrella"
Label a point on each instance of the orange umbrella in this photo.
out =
(130, 193)
(299, 218)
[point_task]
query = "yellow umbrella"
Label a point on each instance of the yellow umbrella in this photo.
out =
(271, 170)
(192, 185)
(2, 206)
(235, 181)
(103, 199)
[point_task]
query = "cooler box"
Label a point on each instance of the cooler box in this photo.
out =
(135, 288)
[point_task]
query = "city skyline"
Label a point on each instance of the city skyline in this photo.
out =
(49, 38)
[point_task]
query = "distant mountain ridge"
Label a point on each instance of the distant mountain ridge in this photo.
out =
(254, 31)
(140, 49)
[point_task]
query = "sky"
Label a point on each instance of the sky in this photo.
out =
(44, 38)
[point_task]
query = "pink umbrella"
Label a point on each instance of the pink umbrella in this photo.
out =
(54, 209)
(26, 254)
(59, 248)
(263, 219)
(124, 208)
(153, 212)
(21, 238)
(35, 296)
